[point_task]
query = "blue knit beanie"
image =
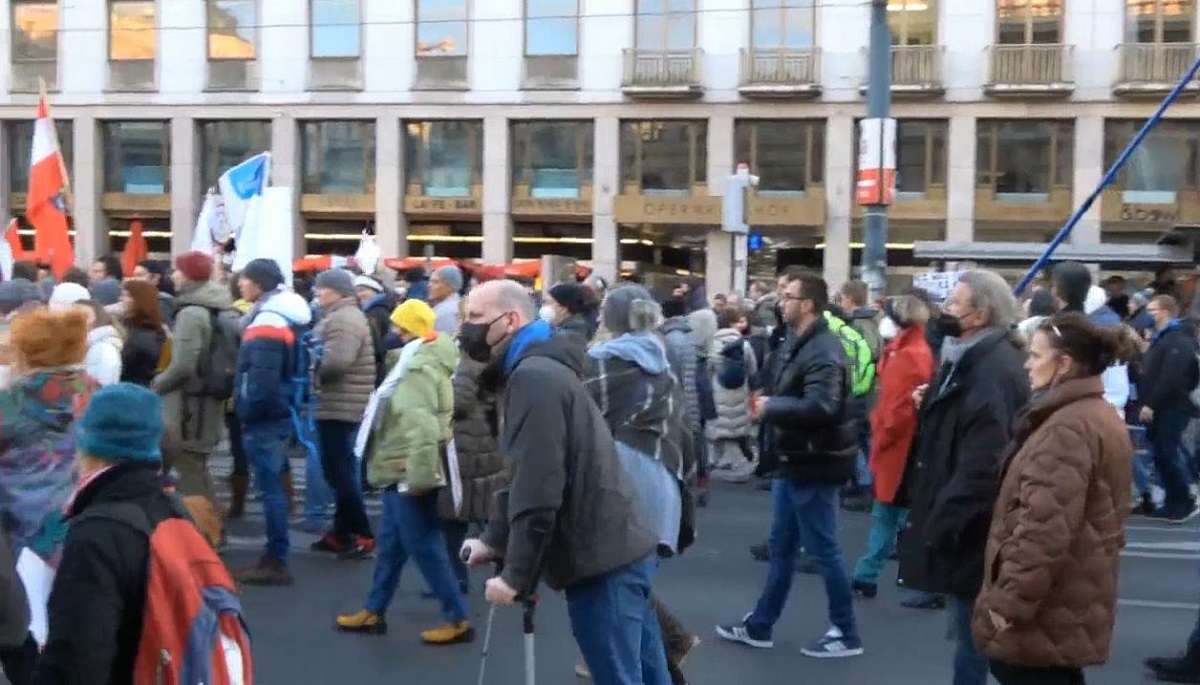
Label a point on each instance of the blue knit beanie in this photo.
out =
(122, 422)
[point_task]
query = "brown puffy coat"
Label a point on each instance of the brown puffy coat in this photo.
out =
(480, 465)
(346, 377)
(1050, 570)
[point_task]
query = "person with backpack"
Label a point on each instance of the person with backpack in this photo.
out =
(192, 416)
(733, 367)
(861, 364)
(265, 401)
(863, 319)
(134, 568)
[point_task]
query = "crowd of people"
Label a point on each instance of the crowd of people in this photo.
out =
(571, 436)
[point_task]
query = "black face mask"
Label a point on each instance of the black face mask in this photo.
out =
(474, 340)
(950, 325)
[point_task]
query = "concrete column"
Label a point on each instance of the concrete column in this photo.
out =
(5, 180)
(718, 262)
(285, 171)
(606, 184)
(391, 228)
(960, 180)
(91, 226)
(185, 183)
(839, 195)
(497, 192)
(1088, 170)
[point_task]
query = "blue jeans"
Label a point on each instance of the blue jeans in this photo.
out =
(410, 528)
(1171, 459)
(264, 451)
(616, 627)
(804, 515)
(970, 665)
(886, 522)
(341, 468)
(318, 497)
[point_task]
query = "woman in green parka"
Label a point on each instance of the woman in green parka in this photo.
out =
(404, 435)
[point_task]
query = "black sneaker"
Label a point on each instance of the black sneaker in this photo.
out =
(1181, 518)
(864, 589)
(1183, 669)
(833, 645)
(738, 632)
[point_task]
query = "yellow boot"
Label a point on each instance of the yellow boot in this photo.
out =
(362, 622)
(449, 634)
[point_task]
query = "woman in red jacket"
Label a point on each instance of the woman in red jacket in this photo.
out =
(905, 364)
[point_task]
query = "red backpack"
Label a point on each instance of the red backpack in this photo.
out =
(193, 632)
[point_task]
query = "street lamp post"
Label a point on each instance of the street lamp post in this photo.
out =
(877, 145)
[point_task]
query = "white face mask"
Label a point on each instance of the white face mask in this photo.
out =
(888, 328)
(547, 313)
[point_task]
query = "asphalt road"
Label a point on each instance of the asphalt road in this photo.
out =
(715, 581)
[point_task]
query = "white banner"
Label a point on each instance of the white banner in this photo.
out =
(273, 236)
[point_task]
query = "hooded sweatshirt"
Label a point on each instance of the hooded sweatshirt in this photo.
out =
(262, 388)
(103, 361)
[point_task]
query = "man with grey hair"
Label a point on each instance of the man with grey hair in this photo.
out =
(570, 515)
(444, 286)
(965, 421)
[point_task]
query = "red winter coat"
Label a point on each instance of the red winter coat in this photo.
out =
(906, 362)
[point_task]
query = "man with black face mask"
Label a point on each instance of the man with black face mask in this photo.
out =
(963, 427)
(569, 515)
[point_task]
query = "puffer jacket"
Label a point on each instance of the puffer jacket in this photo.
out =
(192, 423)
(1054, 545)
(681, 351)
(346, 377)
(103, 360)
(733, 406)
(262, 390)
(476, 427)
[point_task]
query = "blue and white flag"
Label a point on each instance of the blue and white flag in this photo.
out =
(241, 189)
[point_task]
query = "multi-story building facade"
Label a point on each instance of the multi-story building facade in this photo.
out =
(605, 128)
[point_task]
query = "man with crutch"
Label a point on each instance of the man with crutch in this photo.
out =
(570, 511)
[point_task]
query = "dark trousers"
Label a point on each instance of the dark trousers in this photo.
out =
(455, 533)
(339, 466)
(1171, 459)
(18, 662)
(1036, 675)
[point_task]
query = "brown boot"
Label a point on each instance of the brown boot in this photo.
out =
(289, 492)
(237, 501)
(267, 572)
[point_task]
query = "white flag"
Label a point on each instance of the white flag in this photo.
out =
(368, 254)
(208, 225)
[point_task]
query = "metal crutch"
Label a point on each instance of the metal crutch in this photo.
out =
(465, 555)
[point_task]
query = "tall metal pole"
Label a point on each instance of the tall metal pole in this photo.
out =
(879, 98)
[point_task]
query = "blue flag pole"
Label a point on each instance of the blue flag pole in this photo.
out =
(1065, 231)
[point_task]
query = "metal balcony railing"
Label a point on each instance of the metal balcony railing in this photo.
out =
(662, 68)
(917, 66)
(781, 67)
(1032, 66)
(1154, 64)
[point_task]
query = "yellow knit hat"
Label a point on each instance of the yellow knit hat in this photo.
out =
(414, 317)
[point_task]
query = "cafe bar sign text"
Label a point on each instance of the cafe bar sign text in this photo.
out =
(440, 205)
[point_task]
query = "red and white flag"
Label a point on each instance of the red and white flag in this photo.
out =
(45, 206)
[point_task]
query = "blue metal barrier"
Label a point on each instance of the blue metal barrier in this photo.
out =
(1065, 231)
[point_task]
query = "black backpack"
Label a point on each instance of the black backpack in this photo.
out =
(218, 363)
(731, 374)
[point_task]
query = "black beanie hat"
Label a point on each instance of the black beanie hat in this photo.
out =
(264, 273)
(571, 296)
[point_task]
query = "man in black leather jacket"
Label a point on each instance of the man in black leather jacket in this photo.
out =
(813, 438)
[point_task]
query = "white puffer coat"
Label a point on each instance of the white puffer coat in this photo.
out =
(733, 406)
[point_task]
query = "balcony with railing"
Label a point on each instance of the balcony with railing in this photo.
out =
(780, 73)
(662, 73)
(1030, 70)
(1153, 68)
(917, 70)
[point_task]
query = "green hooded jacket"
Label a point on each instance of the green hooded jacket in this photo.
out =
(413, 424)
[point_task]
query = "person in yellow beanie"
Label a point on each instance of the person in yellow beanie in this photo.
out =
(404, 435)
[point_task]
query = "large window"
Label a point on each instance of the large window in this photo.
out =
(232, 29)
(225, 144)
(34, 31)
(665, 25)
(552, 158)
(444, 157)
(913, 22)
(1029, 22)
(1168, 160)
(1159, 21)
(788, 156)
(20, 150)
(920, 156)
(664, 157)
(132, 30)
(551, 27)
(137, 157)
(443, 27)
(1024, 160)
(335, 31)
(783, 24)
(339, 157)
